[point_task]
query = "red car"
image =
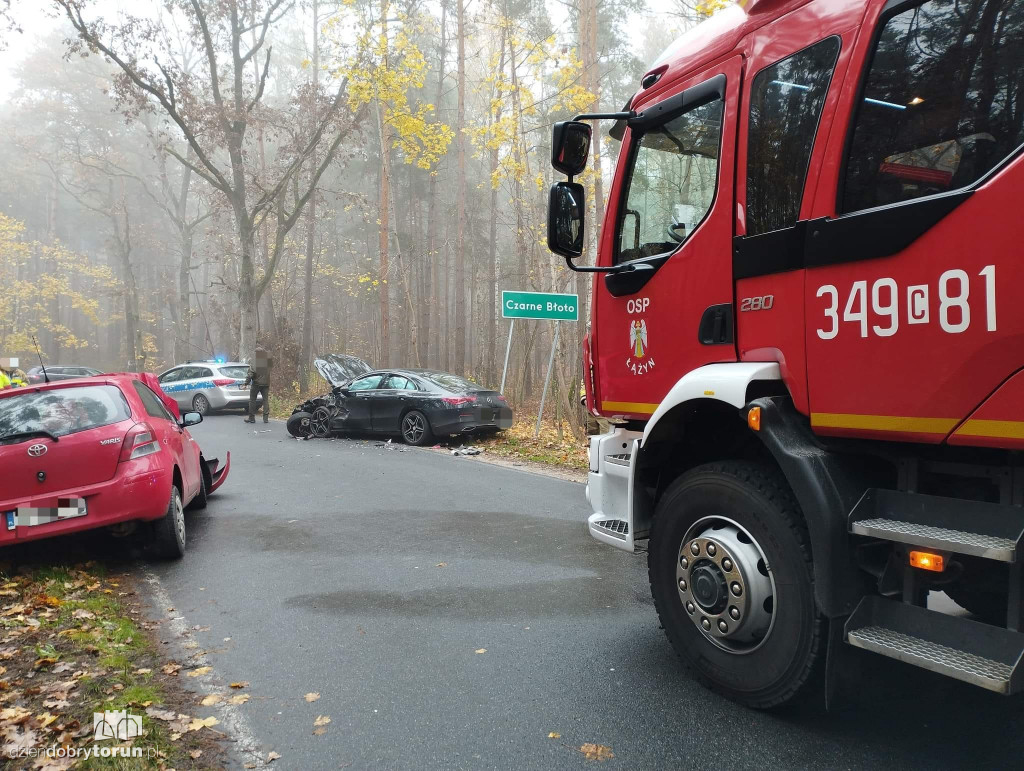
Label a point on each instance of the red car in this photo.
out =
(98, 452)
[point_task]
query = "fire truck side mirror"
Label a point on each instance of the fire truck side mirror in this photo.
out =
(570, 146)
(566, 204)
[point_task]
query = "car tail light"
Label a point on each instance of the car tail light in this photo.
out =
(457, 401)
(223, 381)
(139, 442)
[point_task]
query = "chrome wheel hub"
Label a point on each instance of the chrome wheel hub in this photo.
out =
(725, 585)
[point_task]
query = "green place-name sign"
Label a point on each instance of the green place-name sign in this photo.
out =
(540, 305)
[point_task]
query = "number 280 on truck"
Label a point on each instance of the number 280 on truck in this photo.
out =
(807, 331)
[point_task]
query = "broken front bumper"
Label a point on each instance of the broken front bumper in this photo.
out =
(610, 487)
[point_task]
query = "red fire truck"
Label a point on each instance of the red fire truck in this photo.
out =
(804, 328)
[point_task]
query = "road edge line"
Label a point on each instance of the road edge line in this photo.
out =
(230, 715)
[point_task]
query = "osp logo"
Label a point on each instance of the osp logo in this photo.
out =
(640, 361)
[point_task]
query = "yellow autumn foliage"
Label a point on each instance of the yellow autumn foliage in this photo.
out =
(26, 299)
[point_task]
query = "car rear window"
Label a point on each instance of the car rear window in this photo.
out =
(62, 411)
(235, 372)
(451, 382)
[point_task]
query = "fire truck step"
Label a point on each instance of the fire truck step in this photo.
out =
(621, 459)
(976, 653)
(935, 522)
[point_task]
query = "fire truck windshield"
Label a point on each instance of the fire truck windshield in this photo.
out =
(672, 180)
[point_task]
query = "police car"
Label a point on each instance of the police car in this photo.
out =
(202, 386)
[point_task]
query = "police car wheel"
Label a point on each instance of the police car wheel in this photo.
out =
(201, 404)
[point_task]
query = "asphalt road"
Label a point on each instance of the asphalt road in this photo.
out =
(320, 560)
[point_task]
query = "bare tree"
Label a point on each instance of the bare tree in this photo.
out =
(214, 114)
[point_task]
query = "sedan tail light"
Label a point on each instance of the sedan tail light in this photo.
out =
(457, 401)
(139, 442)
(223, 381)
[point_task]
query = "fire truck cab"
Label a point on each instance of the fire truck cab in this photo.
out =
(804, 326)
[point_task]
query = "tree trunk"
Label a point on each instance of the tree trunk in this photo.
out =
(490, 365)
(306, 354)
(247, 299)
(183, 331)
(384, 216)
(432, 243)
(460, 197)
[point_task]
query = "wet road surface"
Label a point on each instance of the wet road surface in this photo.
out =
(373, 576)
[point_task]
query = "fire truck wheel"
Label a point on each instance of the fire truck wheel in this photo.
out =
(730, 569)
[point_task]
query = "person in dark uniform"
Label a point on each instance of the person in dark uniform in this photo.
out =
(258, 380)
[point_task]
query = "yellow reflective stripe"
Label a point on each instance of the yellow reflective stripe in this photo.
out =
(995, 429)
(637, 408)
(892, 423)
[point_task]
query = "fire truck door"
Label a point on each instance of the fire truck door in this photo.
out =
(913, 259)
(671, 208)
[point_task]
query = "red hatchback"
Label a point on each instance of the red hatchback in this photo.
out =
(95, 452)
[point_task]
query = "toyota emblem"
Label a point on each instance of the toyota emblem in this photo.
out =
(36, 450)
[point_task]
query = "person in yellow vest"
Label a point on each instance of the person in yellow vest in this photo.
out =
(11, 376)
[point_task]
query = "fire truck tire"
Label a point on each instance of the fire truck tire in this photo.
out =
(748, 508)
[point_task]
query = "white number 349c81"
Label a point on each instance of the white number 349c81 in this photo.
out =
(878, 309)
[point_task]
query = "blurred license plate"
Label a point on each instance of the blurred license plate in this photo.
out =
(486, 415)
(67, 508)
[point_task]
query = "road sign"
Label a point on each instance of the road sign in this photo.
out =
(540, 305)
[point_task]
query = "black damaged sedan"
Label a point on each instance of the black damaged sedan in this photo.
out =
(421, 406)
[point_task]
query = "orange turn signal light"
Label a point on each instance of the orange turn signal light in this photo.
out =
(754, 418)
(926, 560)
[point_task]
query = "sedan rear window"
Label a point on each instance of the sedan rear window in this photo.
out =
(238, 373)
(451, 382)
(62, 411)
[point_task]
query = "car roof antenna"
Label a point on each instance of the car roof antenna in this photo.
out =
(35, 342)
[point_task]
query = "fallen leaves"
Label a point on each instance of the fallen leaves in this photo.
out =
(241, 684)
(553, 735)
(321, 720)
(596, 751)
(241, 698)
(209, 701)
(199, 723)
(161, 714)
(272, 756)
(171, 669)
(199, 671)
(480, 650)
(311, 697)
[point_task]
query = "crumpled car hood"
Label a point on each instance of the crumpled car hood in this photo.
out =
(339, 368)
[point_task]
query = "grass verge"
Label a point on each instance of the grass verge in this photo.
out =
(73, 643)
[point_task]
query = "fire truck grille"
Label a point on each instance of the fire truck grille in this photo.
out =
(616, 527)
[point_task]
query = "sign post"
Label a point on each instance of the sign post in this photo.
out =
(508, 350)
(538, 305)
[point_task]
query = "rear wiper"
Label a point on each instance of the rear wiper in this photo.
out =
(29, 435)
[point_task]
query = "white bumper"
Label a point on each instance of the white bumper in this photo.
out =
(610, 487)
